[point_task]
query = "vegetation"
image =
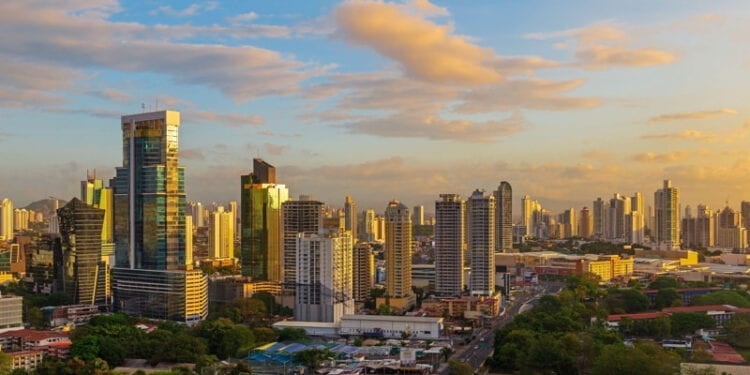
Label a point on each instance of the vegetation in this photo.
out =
(723, 297)
(456, 367)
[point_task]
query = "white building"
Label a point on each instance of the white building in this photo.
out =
(6, 220)
(324, 277)
(391, 326)
(221, 234)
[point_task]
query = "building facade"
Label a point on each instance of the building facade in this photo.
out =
(151, 277)
(449, 245)
(300, 216)
(480, 238)
(260, 200)
(667, 217)
(504, 217)
(364, 272)
(398, 256)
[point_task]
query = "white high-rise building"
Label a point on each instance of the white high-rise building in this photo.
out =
(667, 217)
(449, 241)
(350, 217)
(6, 220)
(324, 277)
(221, 234)
(480, 213)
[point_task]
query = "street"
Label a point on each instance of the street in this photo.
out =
(479, 349)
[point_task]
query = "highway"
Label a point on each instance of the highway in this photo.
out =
(479, 349)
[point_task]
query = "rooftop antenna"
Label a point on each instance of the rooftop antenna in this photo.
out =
(143, 107)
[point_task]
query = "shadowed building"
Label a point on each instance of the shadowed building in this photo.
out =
(504, 218)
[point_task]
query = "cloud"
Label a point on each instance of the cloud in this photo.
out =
(30, 84)
(235, 120)
(428, 8)
(273, 149)
(73, 35)
(424, 49)
(700, 115)
(243, 18)
(534, 93)
(685, 135)
(653, 157)
(111, 95)
(269, 133)
(604, 46)
(407, 125)
(191, 154)
(597, 155)
(191, 10)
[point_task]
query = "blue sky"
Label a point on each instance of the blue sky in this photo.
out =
(567, 101)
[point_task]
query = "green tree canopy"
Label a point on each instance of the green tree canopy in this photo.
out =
(722, 297)
(664, 282)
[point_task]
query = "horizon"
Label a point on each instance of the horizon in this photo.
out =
(383, 100)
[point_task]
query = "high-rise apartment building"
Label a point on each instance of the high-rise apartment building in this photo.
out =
(350, 217)
(368, 231)
(568, 223)
(532, 216)
(261, 199)
(666, 217)
(221, 234)
(324, 277)
(635, 220)
(504, 218)
(619, 207)
(398, 256)
(699, 231)
(480, 238)
(417, 216)
(364, 272)
(585, 223)
(6, 220)
(301, 216)
(151, 277)
(600, 214)
(449, 245)
(730, 233)
(80, 271)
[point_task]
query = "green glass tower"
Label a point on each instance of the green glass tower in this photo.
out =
(151, 276)
(260, 201)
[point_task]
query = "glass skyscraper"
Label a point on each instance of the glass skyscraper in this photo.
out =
(260, 201)
(151, 276)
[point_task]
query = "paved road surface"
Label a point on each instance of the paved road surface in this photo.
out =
(479, 349)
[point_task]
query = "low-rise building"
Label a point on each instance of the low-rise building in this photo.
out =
(458, 307)
(26, 359)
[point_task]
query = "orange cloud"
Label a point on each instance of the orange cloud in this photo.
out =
(424, 49)
(700, 115)
(653, 157)
(688, 135)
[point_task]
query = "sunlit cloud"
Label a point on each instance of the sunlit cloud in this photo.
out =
(685, 135)
(655, 157)
(235, 120)
(700, 115)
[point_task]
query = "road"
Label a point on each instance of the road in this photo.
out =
(479, 349)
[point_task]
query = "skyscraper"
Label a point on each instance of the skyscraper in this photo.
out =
(221, 234)
(585, 224)
(260, 201)
(600, 214)
(300, 216)
(619, 207)
(367, 233)
(364, 272)
(449, 241)
(504, 218)
(324, 277)
(151, 277)
(480, 208)
(80, 271)
(699, 230)
(667, 217)
(417, 216)
(350, 217)
(398, 256)
(6, 220)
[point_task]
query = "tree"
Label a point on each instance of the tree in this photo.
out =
(688, 323)
(722, 297)
(626, 300)
(446, 353)
(667, 297)
(456, 367)
(384, 309)
(291, 334)
(643, 358)
(85, 348)
(6, 362)
(663, 282)
(264, 335)
(35, 318)
(738, 330)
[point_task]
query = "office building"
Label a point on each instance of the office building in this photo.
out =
(532, 217)
(585, 223)
(350, 217)
(504, 218)
(80, 272)
(6, 220)
(619, 207)
(667, 217)
(600, 214)
(301, 216)
(398, 236)
(480, 238)
(368, 230)
(568, 224)
(11, 313)
(417, 216)
(449, 245)
(699, 230)
(364, 272)
(260, 200)
(151, 277)
(221, 234)
(94, 194)
(730, 233)
(324, 277)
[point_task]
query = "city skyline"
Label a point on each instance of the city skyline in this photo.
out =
(565, 105)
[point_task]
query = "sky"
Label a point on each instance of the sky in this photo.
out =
(568, 101)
